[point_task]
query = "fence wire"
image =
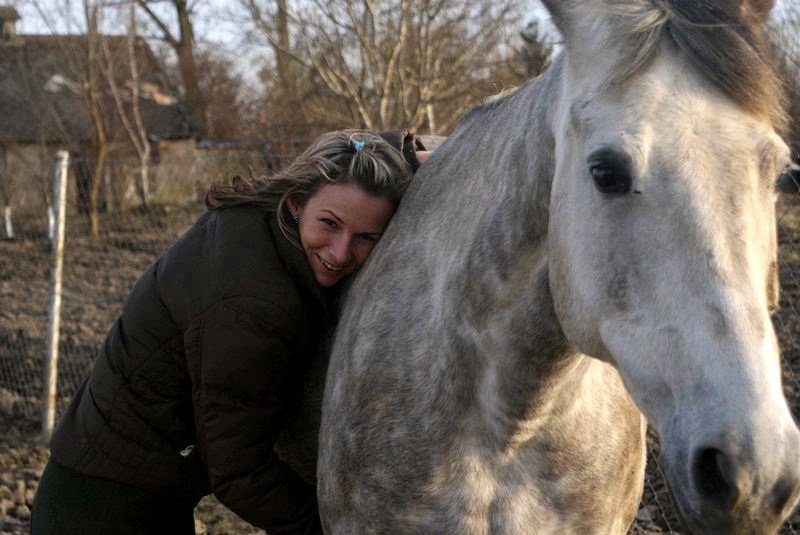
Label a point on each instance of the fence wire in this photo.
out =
(99, 271)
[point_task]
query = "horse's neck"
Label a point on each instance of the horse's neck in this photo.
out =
(500, 257)
(498, 288)
(506, 166)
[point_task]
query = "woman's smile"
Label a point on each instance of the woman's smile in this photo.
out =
(328, 265)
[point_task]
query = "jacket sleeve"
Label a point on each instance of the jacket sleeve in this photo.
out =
(239, 374)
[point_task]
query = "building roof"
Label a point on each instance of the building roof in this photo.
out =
(42, 97)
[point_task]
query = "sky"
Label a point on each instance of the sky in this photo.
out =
(32, 20)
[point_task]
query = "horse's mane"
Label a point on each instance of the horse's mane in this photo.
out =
(725, 40)
(489, 104)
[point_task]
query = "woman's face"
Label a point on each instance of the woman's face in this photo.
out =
(339, 225)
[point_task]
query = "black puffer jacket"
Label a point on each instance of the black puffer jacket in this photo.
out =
(189, 390)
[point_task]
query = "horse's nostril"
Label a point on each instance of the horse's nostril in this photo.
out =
(784, 494)
(715, 479)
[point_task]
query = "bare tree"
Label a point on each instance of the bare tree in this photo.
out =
(84, 80)
(228, 114)
(184, 46)
(534, 53)
(133, 123)
(284, 103)
(92, 96)
(391, 62)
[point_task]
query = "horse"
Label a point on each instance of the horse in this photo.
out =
(584, 255)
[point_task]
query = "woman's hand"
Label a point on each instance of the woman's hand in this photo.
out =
(422, 155)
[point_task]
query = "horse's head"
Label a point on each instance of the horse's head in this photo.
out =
(662, 240)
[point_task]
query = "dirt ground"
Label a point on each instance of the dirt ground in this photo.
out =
(98, 274)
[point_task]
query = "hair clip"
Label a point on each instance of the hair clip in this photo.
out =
(358, 145)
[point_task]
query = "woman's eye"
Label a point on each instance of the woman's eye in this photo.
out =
(608, 179)
(328, 222)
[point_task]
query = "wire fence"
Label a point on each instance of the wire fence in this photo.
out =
(99, 271)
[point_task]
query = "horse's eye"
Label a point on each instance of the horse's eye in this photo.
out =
(609, 178)
(788, 182)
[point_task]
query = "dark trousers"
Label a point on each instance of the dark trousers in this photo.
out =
(70, 503)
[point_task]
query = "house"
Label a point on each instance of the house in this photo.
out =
(43, 108)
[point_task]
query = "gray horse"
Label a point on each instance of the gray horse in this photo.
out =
(597, 243)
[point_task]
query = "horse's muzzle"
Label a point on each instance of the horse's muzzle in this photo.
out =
(731, 496)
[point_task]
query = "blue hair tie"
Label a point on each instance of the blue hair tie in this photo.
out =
(358, 145)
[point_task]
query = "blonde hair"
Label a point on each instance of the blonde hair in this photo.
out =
(360, 157)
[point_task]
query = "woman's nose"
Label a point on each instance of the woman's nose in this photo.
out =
(340, 249)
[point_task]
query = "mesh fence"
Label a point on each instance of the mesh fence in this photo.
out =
(99, 271)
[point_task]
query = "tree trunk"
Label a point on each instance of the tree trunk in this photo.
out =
(188, 67)
(183, 46)
(286, 77)
(92, 97)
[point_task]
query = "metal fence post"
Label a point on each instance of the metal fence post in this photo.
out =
(50, 382)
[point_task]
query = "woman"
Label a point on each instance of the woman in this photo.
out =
(188, 392)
